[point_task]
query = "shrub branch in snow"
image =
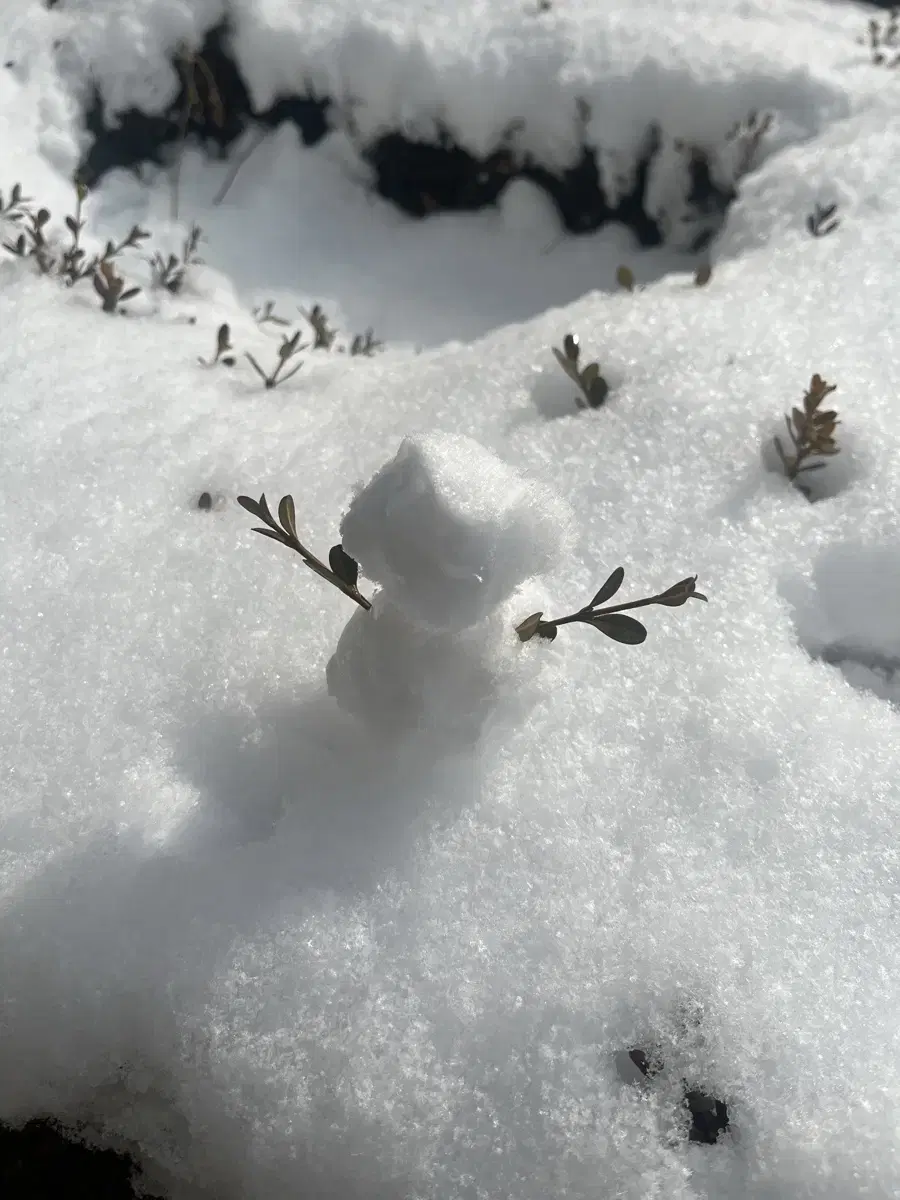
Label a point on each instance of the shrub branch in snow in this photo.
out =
(110, 287)
(883, 40)
(224, 349)
(68, 262)
(822, 220)
(610, 620)
(325, 336)
(594, 387)
(170, 272)
(811, 431)
(290, 347)
(265, 314)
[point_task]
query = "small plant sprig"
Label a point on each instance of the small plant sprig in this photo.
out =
(265, 314)
(883, 40)
(171, 272)
(610, 620)
(365, 345)
(342, 571)
(822, 220)
(290, 347)
(810, 430)
(15, 208)
(110, 287)
(32, 242)
(71, 263)
(748, 134)
(594, 387)
(224, 349)
(323, 335)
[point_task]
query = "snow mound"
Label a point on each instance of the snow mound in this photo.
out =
(398, 677)
(449, 531)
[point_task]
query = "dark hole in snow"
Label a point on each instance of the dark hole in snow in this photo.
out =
(419, 177)
(709, 1116)
(134, 138)
(205, 501)
(41, 1161)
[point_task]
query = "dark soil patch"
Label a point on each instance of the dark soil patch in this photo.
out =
(213, 109)
(41, 1161)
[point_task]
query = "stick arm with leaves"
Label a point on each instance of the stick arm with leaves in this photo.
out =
(342, 572)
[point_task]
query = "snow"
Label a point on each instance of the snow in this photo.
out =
(449, 531)
(485, 64)
(299, 899)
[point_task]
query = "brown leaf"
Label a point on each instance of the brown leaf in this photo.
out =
(529, 627)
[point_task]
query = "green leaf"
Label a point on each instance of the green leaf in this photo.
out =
(625, 278)
(620, 628)
(609, 588)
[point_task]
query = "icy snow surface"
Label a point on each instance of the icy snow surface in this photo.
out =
(289, 949)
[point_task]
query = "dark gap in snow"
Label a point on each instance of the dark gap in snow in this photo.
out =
(42, 1161)
(419, 177)
(422, 178)
(707, 197)
(135, 138)
(709, 1116)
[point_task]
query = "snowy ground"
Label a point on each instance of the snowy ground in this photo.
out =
(284, 950)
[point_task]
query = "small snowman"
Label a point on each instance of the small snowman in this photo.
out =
(455, 541)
